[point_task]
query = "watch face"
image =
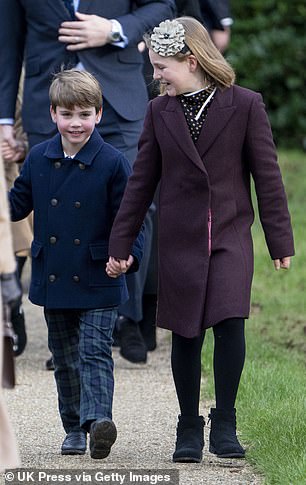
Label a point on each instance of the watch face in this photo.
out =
(115, 36)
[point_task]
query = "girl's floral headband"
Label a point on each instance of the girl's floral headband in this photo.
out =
(168, 38)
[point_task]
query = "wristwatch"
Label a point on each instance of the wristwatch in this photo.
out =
(115, 34)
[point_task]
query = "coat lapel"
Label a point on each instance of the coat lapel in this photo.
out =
(175, 121)
(219, 114)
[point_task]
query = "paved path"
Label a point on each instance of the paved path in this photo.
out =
(145, 411)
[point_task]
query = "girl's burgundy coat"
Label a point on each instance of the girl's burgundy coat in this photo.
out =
(205, 208)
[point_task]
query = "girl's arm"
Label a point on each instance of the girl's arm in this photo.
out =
(271, 197)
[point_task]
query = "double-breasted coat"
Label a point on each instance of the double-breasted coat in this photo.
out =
(75, 202)
(205, 208)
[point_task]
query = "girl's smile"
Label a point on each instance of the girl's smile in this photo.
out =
(177, 76)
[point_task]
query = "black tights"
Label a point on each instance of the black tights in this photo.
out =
(229, 355)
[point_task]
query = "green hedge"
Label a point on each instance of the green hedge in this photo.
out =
(268, 53)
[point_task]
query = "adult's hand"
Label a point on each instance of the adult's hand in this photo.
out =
(221, 38)
(87, 31)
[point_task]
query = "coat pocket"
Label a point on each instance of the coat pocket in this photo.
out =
(98, 259)
(37, 262)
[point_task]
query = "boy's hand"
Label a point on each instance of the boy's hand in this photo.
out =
(115, 267)
(283, 263)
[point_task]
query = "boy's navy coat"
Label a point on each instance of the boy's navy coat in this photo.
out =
(75, 202)
(206, 267)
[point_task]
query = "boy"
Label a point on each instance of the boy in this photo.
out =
(74, 182)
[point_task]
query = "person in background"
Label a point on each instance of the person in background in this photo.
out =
(100, 36)
(74, 183)
(203, 140)
(13, 158)
(216, 17)
(9, 456)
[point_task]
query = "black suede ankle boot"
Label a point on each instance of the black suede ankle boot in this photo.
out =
(189, 439)
(223, 441)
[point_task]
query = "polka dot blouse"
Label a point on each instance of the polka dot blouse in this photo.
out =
(195, 109)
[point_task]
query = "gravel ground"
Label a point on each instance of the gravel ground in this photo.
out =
(145, 413)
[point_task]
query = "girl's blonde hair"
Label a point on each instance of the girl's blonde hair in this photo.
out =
(214, 65)
(71, 87)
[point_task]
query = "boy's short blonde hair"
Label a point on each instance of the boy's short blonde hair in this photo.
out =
(72, 87)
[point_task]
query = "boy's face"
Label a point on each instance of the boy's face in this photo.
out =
(75, 125)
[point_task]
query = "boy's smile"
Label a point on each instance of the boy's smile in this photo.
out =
(75, 126)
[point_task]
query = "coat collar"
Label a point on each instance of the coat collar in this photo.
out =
(86, 155)
(219, 114)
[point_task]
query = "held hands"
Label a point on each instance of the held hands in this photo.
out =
(115, 267)
(283, 263)
(13, 154)
(8, 140)
(87, 31)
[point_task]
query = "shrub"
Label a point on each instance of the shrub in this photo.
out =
(268, 52)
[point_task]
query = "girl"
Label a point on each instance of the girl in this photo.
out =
(203, 140)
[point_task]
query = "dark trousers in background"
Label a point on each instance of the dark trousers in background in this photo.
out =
(81, 345)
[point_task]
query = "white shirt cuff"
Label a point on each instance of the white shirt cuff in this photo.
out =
(226, 22)
(124, 42)
(6, 121)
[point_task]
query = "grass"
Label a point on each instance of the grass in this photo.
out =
(271, 403)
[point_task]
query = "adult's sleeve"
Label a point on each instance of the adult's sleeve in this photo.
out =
(145, 17)
(12, 40)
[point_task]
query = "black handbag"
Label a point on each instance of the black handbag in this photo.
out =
(8, 364)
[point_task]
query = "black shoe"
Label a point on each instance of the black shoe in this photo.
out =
(133, 347)
(148, 323)
(189, 439)
(223, 440)
(103, 434)
(50, 364)
(74, 443)
(18, 323)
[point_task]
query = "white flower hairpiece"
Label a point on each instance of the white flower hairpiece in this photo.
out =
(168, 38)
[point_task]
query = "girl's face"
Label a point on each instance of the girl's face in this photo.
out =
(177, 76)
(75, 125)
